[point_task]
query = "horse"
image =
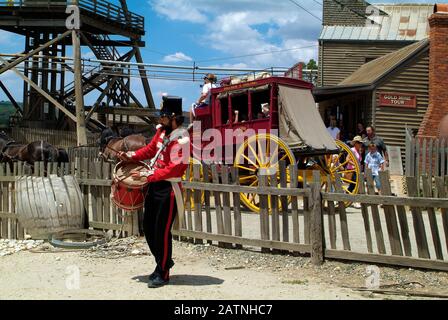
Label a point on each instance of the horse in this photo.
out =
(4, 140)
(29, 153)
(32, 152)
(62, 156)
(111, 144)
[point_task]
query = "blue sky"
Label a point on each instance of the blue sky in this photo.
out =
(210, 32)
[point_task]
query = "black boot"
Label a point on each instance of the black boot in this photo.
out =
(155, 273)
(157, 282)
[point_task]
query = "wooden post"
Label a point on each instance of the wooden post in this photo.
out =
(264, 210)
(316, 223)
(427, 193)
(208, 216)
(390, 217)
(418, 222)
(143, 75)
(294, 204)
(331, 217)
(80, 116)
(197, 202)
(284, 201)
(236, 207)
(342, 215)
(306, 212)
(218, 207)
(375, 214)
(365, 215)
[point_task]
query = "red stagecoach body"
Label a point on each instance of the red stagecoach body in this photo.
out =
(247, 98)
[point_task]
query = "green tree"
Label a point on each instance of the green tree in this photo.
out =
(312, 65)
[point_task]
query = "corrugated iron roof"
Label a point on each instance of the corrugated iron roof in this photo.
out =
(374, 70)
(402, 22)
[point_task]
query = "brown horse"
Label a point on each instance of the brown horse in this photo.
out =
(129, 143)
(29, 153)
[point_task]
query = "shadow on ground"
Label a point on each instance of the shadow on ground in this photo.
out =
(186, 280)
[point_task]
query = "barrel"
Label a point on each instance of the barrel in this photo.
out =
(46, 205)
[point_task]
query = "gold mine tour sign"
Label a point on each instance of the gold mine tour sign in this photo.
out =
(395, 99)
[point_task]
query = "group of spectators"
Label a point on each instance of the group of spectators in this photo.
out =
(368, 148)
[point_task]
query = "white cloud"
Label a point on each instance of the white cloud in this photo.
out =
(246, 28)
(177, 57)
(178, 10)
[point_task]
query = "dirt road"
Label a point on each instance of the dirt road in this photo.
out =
(201, 272)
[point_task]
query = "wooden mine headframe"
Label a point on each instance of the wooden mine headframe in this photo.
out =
(47, 98)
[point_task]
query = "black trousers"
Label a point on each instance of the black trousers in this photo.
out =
(160, 212)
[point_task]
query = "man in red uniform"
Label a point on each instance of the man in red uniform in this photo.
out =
(160, 203)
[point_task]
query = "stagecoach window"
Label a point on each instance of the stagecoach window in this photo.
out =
(240, 102)
(260, 98)
(224, 104)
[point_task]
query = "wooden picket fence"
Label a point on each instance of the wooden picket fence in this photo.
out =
(318, 222)
(426, 156)
(395, 229)
(281, 229)
(95, 182)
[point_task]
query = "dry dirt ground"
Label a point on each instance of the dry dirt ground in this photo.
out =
(119, 270)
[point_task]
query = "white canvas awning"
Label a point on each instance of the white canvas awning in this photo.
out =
(300, 122)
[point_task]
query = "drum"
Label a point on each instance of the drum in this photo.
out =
(128, 193)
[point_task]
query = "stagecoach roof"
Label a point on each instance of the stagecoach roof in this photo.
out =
(300, 122)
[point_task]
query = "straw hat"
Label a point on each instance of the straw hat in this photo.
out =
(357, 139)
(211, 77)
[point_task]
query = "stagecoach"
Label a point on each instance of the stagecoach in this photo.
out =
(284, 124)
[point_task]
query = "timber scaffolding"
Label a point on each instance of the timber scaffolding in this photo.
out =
(48, 99)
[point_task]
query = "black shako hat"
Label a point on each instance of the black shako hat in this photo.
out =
(171, 106)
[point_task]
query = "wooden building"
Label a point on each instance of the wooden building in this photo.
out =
(351, 36)
(378, 75)
(391, 92)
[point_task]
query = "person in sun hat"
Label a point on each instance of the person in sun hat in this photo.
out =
(356, 144)
(205, 97)
(169, 161)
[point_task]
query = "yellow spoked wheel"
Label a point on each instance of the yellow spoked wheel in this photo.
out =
(261, 152)
(347, 166)
(189, 196)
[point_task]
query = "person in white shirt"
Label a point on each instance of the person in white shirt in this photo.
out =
(205, 98)
(334, 130)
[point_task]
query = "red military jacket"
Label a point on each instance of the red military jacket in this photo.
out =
(165, 167)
